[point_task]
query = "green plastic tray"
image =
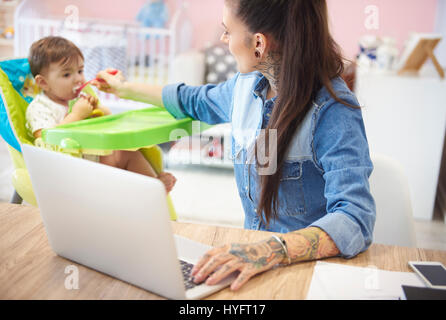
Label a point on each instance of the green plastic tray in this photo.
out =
(128, 130)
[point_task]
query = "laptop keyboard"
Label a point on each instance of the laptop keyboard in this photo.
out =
(186, 268)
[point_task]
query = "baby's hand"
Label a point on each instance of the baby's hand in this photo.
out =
(93, 101)
(84, 106)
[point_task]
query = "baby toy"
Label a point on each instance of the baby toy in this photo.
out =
(8, 33)
(153, 14)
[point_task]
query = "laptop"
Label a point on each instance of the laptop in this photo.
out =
(114, 221)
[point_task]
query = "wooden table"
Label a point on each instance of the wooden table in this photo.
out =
(29, 269)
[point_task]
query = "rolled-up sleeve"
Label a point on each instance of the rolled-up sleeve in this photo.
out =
(342, 152)
(171, 101)
(208, 103)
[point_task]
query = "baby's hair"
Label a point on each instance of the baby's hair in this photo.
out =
(50, 50)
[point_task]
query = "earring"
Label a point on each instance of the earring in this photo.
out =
(257, 54)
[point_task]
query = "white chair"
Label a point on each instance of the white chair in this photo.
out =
(389, 186)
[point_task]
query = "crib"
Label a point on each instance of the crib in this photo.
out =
(143, 54)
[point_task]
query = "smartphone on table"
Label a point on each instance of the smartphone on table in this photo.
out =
(432, 273)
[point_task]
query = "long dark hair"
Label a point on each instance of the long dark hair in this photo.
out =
(310, 59)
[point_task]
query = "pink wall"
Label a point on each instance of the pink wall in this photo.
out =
(397, 18)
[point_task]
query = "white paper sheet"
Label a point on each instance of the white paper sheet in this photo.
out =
(341, 282)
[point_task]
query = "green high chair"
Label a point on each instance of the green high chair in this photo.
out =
(12, 116)
(133, 130)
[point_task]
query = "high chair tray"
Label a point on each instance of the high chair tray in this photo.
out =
(128, 130)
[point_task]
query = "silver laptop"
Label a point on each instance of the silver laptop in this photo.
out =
(114, 221)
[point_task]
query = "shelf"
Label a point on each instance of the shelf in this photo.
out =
(7, 9)
(194, 152)
(6, 42)
(186, 157)
(220, 130)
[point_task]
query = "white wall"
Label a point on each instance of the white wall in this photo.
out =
(405, 119)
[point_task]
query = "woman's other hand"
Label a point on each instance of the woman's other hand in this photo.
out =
(249, 259)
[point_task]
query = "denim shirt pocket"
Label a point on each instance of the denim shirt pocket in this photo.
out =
(291, 191)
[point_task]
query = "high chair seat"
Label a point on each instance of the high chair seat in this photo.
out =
(13, 106)
(20, 178)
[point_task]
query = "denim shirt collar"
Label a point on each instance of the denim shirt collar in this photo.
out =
(261, 89)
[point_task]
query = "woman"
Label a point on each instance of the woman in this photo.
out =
(314, 192)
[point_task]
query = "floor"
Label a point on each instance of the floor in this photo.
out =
(209, 195)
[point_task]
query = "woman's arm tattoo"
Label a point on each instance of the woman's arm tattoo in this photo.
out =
(310, 244)
(260, 254)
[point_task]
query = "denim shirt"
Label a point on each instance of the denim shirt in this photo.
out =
(324, 180)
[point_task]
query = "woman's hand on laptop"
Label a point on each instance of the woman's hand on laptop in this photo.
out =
(249, 259)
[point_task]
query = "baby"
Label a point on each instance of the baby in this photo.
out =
(58, 69)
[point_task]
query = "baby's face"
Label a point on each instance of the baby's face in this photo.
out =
(62, 80)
